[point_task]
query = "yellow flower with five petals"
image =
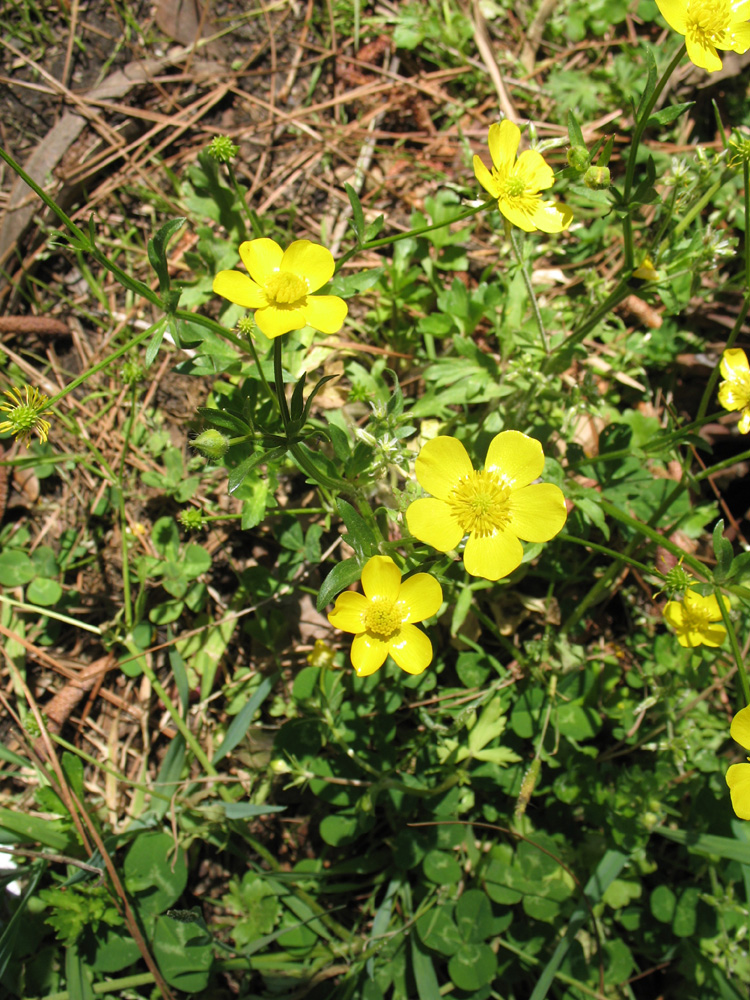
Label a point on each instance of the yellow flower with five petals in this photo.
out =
(25, 415)
(495, 507)
(709, 25)
(734, 393)
(382, 619)
(517, 183)
(738, 775)
(279, 287)
(694, 620)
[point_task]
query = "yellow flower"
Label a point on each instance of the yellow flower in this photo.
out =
(382, 619)
(279, 285)
(738, 775)
(517, 183)
(692, 619)
(709, 25)
(25, 417)
(647, 271)
(495, 507)
(734, 394)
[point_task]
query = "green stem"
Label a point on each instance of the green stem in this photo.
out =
(388, 240)
(133, 342)
(121, 509)
(641, 567)
(720, 466)
(615, 297)
(210, 324)
(644, 114)
(278, 377)
(518, 253)
(736, 651)
(271, 394)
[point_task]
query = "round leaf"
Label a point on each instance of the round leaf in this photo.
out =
(43, 592)
(16, 568)
(154, 873)
(472, 966)
(441, 868)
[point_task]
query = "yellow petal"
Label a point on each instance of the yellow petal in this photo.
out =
(485, 178)
(440, 465)
(274, 321)
(368, 654)
(261, 258)
(734, 364)
(238, 288)
(674, 13)
(738, 779)
(349, 611)
(518, 458)
(729, 397)
(673, 614)
(325, 312)
(518, 216)
(420, 597)
(381, 577)
(744, 423)
(552, 217)
(411, 649)
(432, 522)
(704, 56)
(712, 635)
(493, 556)
(536, 172)
(310, 261)
(537, 512)
(503, 140)
(740, 728)
(740, 35)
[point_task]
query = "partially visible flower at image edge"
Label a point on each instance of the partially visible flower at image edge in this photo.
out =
(517, 183)
(738, 775)
(279, 284)
(709, 25)
(734, 393)
(383, 618)
(693, 620)
(25, 416)
(495, 507)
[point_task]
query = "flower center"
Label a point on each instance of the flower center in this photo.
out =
(708, 20)
(515, 186)
(695, 619)
(382, 619)
(481, 503)
(285, 289)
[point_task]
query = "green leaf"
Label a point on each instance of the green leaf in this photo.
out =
(358, 216)
(662, 903)
(708, 844)
(441, 868)
(360, 536)
(474, 916)
(723, 552)
(472, 966)
(184, 952)
(155, 872)
(77, 976)
(43, 592)
(650, 81)
(668, 115)
(155, 343)
(423, 970)
(437, 930)
(241, 722)
(574, 131)
(16, 568)
(342, 574)
(157, 251)
(30, 828)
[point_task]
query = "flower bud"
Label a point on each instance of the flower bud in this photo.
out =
(222, 149)
(212, 443)
(191, 518)
(578, 158)
(597, 178)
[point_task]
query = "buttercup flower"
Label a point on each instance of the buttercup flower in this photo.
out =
(382, 619)
(25, 417)
(738, 775)
(517, 183)
(495, 507)
(279, 285)
(709, 25)
(692, 619)
(647, 271)
(734, 394)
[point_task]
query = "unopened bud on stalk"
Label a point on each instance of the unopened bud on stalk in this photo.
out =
(212, 443)
(222, 149)
(597, 178)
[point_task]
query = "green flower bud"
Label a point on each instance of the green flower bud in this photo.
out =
(191, 518)
(597, 178)
(132, 372)
(212, 443)
(246, 326)
(677, 579)
(222, 149)
(578, 158)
